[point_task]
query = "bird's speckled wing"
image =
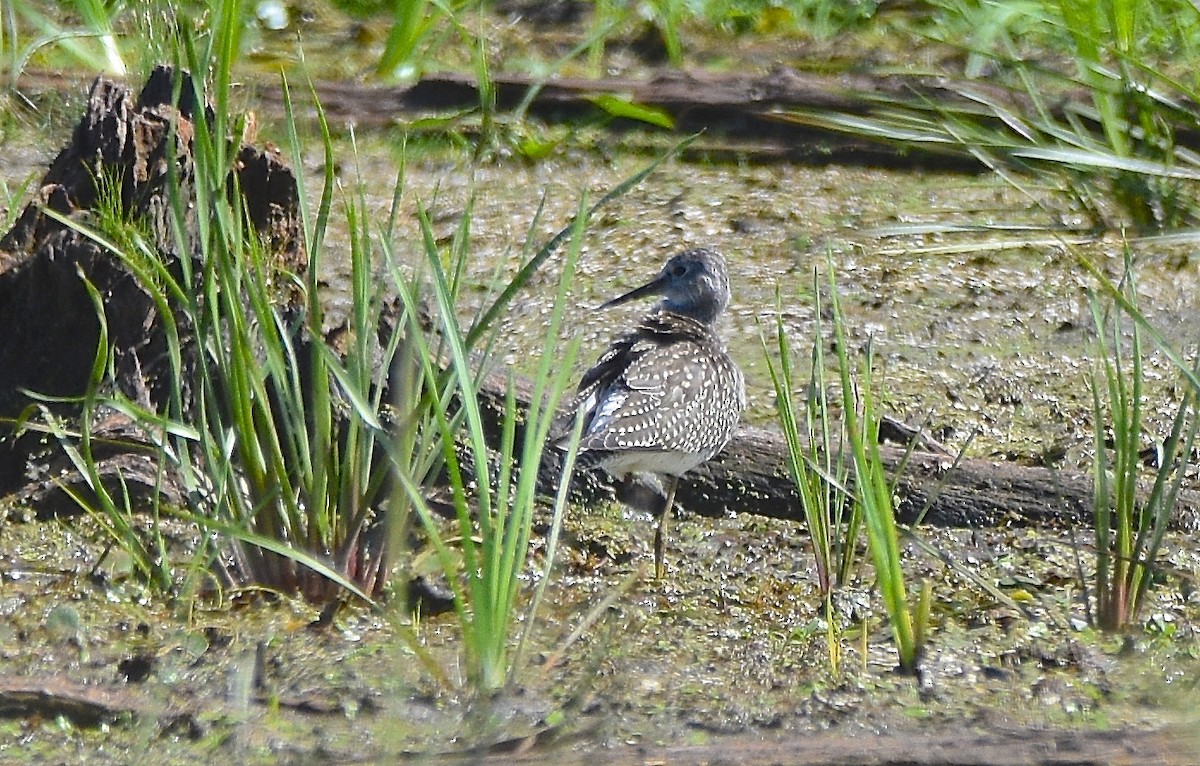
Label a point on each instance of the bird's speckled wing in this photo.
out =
(667, 387)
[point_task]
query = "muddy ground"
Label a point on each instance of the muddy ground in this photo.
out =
(732, 658)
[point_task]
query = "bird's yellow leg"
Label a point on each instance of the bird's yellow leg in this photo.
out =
(660, 533)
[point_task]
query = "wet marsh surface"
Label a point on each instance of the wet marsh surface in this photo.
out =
(733, 643)
(983, 334)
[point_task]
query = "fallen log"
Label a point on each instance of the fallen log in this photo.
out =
(764, 117)
(124, 154)
(751, 476)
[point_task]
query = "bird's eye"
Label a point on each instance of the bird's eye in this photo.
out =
(679, 271)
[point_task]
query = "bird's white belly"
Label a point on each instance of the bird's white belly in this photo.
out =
(652, 461)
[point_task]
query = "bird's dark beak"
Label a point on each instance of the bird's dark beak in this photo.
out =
(650, 288)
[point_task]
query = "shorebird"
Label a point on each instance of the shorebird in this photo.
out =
(665, 397)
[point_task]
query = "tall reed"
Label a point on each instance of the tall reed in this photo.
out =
(820, 455)
(817, 463)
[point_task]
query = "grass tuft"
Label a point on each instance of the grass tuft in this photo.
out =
(816, 444)
(817, 460)
(873, 492)
(1130, 525)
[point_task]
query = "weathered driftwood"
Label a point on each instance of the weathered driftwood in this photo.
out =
(50, 333)
(751, 476)
(759, 116)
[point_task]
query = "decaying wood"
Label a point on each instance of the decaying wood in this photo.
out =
(122, 156)
(50, 329)
(758, 116)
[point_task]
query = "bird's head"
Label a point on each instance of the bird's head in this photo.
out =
(693, 283)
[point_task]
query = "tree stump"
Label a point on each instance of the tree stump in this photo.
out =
(122, 156)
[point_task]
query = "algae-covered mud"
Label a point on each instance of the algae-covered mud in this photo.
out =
(734, 645)
(731, 647)
(975, 303)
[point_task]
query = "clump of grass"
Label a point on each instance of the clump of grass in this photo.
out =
(1130, 525)
(1111, 150)
(820, 468)
(273, 436)
(494, 496)
(873, 492)
(275, 440)
(816, 445)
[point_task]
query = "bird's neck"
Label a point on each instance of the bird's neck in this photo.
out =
(704, 313)
(664, 322)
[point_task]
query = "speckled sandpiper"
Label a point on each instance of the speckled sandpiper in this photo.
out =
(665, 397)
